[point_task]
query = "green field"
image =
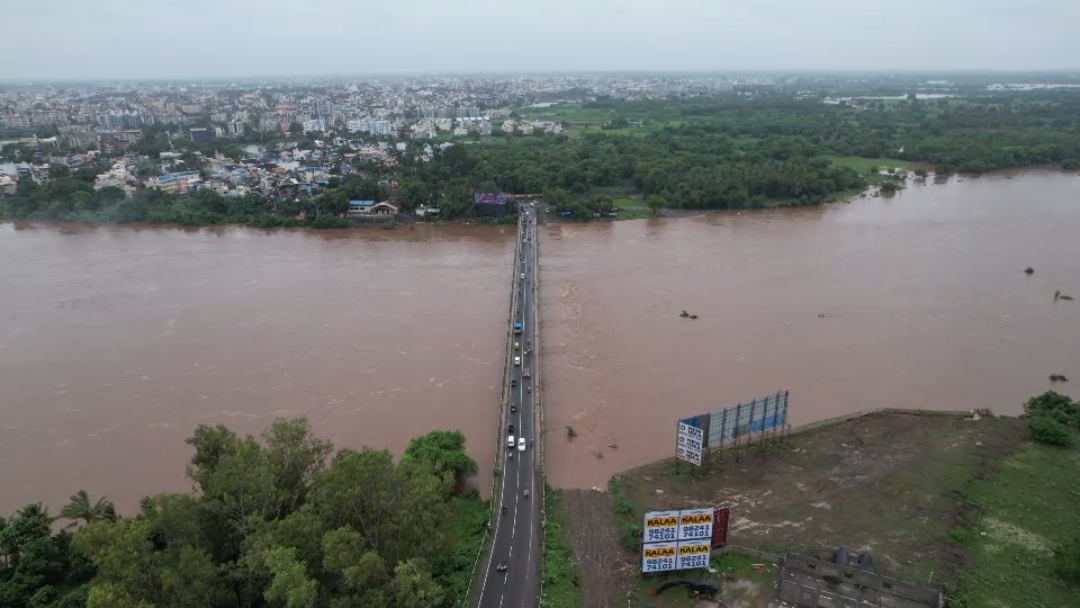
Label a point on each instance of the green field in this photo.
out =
(1021, 512)
(567, 112)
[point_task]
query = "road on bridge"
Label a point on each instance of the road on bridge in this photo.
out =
(516, 539)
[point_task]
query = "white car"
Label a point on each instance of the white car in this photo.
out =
(510, 441)
(517, 360)
(523, 275)
(521, 444)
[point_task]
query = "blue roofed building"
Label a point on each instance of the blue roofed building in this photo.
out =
(361, 206)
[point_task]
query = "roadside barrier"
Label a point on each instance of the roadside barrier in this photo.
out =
(539, 391)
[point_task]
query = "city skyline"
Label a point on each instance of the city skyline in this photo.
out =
(197, 39)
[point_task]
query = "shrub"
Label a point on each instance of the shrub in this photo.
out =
(888, 187)
(1067, 561)
(1056, 406)
(1045, 429)
(1070, 164)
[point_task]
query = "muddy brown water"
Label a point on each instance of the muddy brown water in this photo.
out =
(924, 301)
(116, 342)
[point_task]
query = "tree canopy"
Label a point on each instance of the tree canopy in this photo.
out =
(275, 521)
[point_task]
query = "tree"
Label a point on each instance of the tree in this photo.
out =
(413, 586)
(920, 173)
(58, 170)
(655, 203)
(80, 508)
(290, 586)
(443, 454)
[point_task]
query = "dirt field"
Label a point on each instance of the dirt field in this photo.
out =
(887, 483)
(605, 569)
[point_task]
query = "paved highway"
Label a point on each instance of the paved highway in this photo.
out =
(516, 539)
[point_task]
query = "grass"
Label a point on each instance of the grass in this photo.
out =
(465, 530)
(628, 201)
(560, 568)
(1019, 514)
(752, 585)
(856, 483)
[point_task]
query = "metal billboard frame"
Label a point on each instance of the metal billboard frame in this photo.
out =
(742, 422)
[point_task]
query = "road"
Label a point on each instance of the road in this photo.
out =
(516, 538)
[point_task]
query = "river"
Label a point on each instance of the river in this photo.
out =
(923, 299)
(117, 341)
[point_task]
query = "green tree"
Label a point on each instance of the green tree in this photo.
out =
(655, 203)
(442, 453)
(58, 170)
(80, 508)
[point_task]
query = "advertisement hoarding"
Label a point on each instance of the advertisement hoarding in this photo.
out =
(693, 554)
(659, 557)
(677, 540)
(689, 443)
(489, 198)
(730, 424)
(661, 526)
(695, 524)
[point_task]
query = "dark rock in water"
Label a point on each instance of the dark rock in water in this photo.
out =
(1058, 378)
(1029, 270)
(1065, 297)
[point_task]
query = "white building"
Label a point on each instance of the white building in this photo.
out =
(460, 131)
(236, 129)
(525, 128)
(508, 126)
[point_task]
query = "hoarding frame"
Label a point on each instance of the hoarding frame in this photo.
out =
(700, 539)
(740, 423)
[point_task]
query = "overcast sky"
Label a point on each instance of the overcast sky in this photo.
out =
(91, 39)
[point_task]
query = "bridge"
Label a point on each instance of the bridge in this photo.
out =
(509, 571)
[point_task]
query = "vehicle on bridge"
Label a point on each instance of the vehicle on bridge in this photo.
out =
(517, 345)
(526, 375)
(521, 444)
(517, 360)
(517, 328)
(510, 441)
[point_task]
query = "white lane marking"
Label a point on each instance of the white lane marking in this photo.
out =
(498, 520)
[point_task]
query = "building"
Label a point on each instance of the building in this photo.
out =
(236, 129)
(525, 128)
(118, 141)
(361, 206)
(460, 131)
(123, 120)
(508, 126)
(77, 137)
(314, 125)
(201, 134)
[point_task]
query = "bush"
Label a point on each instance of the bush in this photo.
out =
(1067, 561)
(1070, 164)
(888, 187)
(1056, 406)
(1045, 429)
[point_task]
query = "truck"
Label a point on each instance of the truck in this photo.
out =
(517, 328)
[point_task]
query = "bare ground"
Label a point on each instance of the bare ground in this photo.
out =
(605, 567)
(887, 483)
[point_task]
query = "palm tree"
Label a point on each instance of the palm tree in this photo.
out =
(80, 508)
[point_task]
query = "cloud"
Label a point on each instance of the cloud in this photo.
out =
(89, 39)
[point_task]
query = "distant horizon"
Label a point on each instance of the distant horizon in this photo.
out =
(674, 73)
(130, 40)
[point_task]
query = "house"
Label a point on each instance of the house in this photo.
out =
(361, 206)
(525, 128)
(508, 126)
(461, 131)
(383, 208)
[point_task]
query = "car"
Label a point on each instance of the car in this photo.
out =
(517, 360)
(521, 444)
(501, 567)
(513, 383)
(513, 408)
(510, 429)
(517, 345)
(522, 275)
(510, 442)
(526, 374)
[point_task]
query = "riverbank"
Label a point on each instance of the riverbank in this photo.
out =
(902, 485)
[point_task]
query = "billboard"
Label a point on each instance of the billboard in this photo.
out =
(661, 526)
(730, 424)
(489, 198)
(689, 443)
(659, 557)
(676, 540)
